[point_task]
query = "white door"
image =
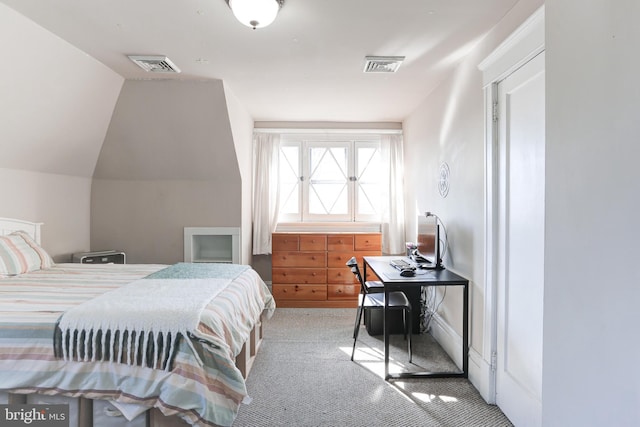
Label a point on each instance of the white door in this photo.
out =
(521, 243)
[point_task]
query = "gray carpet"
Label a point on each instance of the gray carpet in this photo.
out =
(303, 376)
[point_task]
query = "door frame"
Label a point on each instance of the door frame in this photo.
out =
(525, 43)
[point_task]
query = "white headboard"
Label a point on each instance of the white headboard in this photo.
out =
(8, 226)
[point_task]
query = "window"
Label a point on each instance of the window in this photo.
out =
(331, 178)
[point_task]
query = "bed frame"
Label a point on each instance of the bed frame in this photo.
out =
(154, 418)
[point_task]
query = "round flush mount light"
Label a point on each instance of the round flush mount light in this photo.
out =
(255, 13)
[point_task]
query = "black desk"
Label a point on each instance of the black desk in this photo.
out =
(393, 282)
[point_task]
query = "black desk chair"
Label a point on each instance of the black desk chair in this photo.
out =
(372, 298)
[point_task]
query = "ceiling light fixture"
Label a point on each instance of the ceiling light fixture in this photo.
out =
(255, 13)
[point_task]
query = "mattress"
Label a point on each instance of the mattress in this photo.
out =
(203, 385)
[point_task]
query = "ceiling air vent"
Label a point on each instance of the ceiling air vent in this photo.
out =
(155, 64)
(382, 64)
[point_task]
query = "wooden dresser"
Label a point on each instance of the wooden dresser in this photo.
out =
(309, 269)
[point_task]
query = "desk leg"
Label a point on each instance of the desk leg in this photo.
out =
(386, 327)
(465, 332)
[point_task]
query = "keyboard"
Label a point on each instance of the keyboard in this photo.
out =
(401, 264)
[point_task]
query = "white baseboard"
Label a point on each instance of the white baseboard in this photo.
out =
(481, 377)
(479, 368)
(448, 339)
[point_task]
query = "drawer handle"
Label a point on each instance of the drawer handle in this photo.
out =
(313, 258)
(313, 274)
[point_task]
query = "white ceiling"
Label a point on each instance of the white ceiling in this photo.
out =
(306, 66)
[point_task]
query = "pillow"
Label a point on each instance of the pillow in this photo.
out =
(45, 258)
(19, 253)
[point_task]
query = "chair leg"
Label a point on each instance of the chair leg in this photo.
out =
(356, 331)
(357, 324)
(405, 325)
(409, 322)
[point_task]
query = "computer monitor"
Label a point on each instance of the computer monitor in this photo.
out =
(427, 253)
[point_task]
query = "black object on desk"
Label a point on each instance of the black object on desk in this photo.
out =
(392, 280)
(101, 257)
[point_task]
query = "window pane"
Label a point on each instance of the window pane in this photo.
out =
(369, 192)
(369, 198)
(328, 192)
(328, 199)
(368, 164)
(328, 164)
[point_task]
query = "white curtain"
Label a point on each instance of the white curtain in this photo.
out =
(393, 226)
(266, 155)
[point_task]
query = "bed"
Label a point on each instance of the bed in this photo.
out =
(190, 377)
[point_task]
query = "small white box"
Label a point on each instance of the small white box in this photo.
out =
(107, 415)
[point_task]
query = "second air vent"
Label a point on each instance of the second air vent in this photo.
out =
(382, 64)
(155, 63)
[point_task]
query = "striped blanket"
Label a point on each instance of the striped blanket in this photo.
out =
(203, 385)
(143, 322)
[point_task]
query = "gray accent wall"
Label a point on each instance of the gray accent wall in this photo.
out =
(168, 162)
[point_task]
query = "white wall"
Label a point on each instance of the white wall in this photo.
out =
(242, 130)
(61, 202)
(449, 127)
(56, 103)
(592, 283)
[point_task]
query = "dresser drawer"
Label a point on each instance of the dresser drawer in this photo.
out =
(299, 275)
(299, 259)
(339, 259)
(285, 242)
(367, 242)
(340, 242)
(313, 242)
(341, 275)
(300, 292)
(348, 292)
